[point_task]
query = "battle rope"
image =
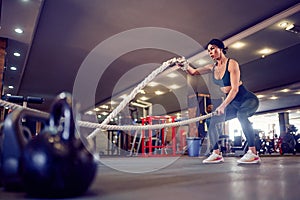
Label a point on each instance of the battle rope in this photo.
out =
(133, 93)
(104, 125)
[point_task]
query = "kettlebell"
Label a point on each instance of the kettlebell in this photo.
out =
(1, 142)
(14, 137)
(56, 163)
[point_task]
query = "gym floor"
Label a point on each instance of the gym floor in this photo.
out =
(277, 177)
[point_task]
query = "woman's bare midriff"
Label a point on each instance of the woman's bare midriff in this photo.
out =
(227, 89)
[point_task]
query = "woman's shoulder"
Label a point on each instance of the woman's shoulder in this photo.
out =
(232, 63)
(232, 60)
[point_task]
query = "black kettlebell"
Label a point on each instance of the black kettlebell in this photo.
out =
(56, 163)
(14, 137)
(1, 142)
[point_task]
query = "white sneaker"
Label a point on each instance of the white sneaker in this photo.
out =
(214, 158)
(249, 158)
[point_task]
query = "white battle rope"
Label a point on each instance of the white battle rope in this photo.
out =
(133, 93)
(143, 127)
(115, 127)
(104, 125)
(137, 89)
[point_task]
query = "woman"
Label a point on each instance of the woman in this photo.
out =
(239, 102)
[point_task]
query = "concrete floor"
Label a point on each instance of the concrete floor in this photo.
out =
(277, 177)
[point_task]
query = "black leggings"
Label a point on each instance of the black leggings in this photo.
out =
(241, 109)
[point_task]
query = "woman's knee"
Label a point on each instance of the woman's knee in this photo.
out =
(242, 116)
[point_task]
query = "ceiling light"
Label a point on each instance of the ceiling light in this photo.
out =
(172, 75)
(289, 27)
(142, 92)
(11, 87)
(113, 102)
(293, 28)
(17, 54)
(174, 87)
(265, 51)
(139, 104)
(260, 96)
(158, 92)
(298, 92)
(97, 109)
(104, 113)
(285, 90)
(89, 112)
(8, 95)
(143, 98)
(238, 45)
(153, 84)
(283, 24)
(18, 30)
(273, 97)
(13, 68)
(104, 106)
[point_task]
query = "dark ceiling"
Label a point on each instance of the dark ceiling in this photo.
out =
(119, 37)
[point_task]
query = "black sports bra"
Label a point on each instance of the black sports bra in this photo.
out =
(225, 81)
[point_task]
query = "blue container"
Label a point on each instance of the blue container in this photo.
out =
(193, 145)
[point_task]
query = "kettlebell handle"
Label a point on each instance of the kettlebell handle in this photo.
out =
(62, 108)
(12, 126)
(14, 143)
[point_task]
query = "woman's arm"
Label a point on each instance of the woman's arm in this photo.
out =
(234, 70)
(198, 71)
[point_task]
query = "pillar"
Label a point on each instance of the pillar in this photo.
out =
(283, 122)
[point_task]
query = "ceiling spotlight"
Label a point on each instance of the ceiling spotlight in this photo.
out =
(89, 112)
(143, 98)
(158, 92)
(174, 86)
(283, 24)
(13, 68)
(293, 28)
(289, 27)
(260, 96)
(285, 90)
(97, 109)
(273, 97)
(11, 87)
(238, 45)
(142, 91)
(113, 102)
(18, 30)
(104, 106)
(153, 84)
(265, 51)
(17, 54)
(104, 113)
